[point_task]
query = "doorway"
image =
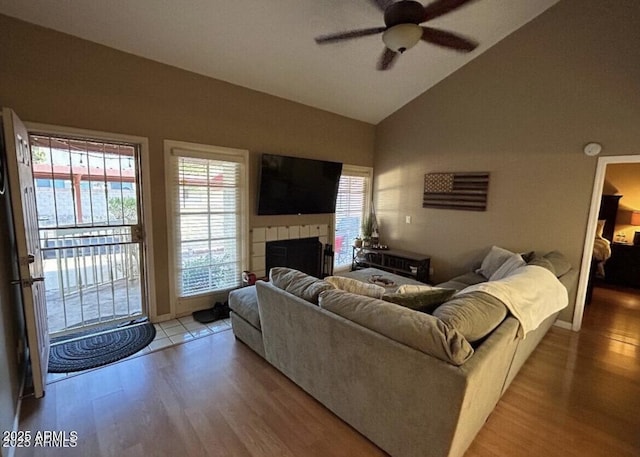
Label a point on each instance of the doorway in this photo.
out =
(599, 188)
(90, 230)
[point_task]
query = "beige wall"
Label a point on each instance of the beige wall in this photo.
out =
(53, 78)
(522, 111)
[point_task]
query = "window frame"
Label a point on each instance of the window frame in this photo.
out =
(183, 305)
(367, 173)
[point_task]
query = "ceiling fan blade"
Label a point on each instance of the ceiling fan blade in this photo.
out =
(333, 37)
(448, 39)
(387, 59)
(382, 4)
(440, 7)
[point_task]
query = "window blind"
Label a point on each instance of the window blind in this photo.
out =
(351, 205)
(206, 200)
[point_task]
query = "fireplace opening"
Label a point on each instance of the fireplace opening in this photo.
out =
(304, 254)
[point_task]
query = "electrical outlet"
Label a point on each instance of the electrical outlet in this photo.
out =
(407, 219)
(430, 271)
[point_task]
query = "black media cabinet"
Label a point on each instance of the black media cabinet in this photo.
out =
(403, 263)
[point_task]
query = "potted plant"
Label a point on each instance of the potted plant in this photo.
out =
(367, 229)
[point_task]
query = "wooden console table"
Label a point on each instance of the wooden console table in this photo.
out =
(403, 263)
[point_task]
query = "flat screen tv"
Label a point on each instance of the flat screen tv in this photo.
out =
(292, 185)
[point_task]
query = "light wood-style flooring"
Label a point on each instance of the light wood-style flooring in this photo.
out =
(578, 395)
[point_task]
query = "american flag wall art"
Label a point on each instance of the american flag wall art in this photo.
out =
(463, 191)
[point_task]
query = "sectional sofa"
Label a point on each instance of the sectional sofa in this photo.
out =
(409, 381)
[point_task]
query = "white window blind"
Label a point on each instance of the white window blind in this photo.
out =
(207, 194)
(354, 193)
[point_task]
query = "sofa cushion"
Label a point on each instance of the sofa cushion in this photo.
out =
(412, 328)
(493, 260)
(474, 315)
(544, 263)
(560, 263)
(356, 287)
(425, 300)
(244, 302)
(298, 283)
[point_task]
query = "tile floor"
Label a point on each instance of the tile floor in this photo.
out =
(168, 333)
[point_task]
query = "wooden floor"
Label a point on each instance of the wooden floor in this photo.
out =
(578, 395)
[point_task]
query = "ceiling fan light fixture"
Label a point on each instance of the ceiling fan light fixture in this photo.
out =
(401, 37)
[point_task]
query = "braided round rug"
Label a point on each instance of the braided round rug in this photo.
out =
(97, 350)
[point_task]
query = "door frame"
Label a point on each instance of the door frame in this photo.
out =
(145, 178)
(598, 185)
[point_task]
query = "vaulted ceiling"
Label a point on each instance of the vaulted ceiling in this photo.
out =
(269, 45)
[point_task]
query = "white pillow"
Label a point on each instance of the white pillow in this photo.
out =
(356, 287)
(493, 260)
(512, 263)
(410, 288)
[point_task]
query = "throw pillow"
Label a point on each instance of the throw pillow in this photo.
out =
(411, 288)
(542, 262)
(425, 301)
(356, 287)
(493, 260)
(298, 283)
(560, 263)
(513, 262)
(474, 315)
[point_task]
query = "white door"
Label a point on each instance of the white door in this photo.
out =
(25, 222)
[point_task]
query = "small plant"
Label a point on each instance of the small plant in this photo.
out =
(367, 227)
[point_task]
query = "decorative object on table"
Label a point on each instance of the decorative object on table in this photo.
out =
(248, 278)
(357, 242)
(381, 281)
(461, 191)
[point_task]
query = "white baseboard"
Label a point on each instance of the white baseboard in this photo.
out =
(563, 324)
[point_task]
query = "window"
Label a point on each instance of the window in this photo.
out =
(208, 194)
(354, 195)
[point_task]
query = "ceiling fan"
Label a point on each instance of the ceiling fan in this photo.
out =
(402, 28)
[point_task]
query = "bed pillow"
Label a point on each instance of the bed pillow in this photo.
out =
(356, 287)
(425, 300)
(298, 283)
(493, 260)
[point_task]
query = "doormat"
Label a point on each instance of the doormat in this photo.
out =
(101, 349)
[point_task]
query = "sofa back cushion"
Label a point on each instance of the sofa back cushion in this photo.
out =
(298, 283)
(356, 287)
(474, 315)
(411, 328)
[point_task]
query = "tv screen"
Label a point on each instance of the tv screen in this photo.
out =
(292, 185)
